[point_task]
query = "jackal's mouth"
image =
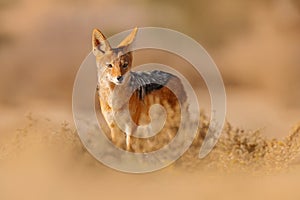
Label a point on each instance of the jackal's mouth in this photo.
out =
(119, 82)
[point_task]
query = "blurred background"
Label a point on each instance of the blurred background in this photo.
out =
(255, 44)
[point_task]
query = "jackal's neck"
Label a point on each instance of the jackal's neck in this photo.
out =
(105, 90)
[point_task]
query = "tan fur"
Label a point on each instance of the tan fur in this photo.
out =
(110, 63)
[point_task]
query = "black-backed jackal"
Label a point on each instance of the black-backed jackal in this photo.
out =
(114, 68)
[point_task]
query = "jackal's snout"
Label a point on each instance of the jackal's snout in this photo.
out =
(120, 78)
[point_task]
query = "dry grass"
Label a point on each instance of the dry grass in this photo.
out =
(236, 150)
(244, 151)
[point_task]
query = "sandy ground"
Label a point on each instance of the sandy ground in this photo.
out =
(45, 160)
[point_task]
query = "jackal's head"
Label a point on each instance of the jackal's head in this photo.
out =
(112, 63)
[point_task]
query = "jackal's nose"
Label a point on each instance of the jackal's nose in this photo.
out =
(120, 78)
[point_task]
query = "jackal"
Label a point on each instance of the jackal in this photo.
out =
(151, 87)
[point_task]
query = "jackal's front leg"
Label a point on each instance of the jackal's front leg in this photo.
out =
(128, 133)
(113, 132)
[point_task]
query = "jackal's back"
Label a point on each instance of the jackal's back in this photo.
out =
(155, 87)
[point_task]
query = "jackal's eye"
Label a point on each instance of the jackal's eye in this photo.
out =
(108, 65)
(125, 64)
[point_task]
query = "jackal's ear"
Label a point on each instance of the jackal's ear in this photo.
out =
(99, 42)
(129, 39)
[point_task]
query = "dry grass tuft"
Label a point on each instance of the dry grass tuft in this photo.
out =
(244, 151)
